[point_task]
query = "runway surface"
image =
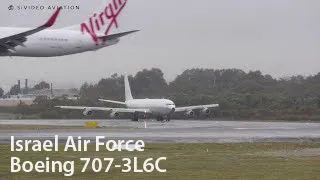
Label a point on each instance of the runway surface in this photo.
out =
(173, 131)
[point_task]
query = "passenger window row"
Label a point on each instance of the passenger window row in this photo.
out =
(54, 39)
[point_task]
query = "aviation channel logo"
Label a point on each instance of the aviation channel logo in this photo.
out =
(41, 7)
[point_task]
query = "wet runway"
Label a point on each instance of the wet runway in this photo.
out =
(173, 131)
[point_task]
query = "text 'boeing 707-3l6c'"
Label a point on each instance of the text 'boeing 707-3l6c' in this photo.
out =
(90, 35)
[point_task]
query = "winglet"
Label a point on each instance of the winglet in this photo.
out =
(53, 18)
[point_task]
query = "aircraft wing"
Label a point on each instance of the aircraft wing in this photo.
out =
(10, 42)
(187, 108)
(116, 36)
(121, 110)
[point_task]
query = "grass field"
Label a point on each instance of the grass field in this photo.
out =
(49, 127)
(191, 161)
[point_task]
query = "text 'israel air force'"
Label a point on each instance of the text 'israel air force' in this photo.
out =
(79, 144)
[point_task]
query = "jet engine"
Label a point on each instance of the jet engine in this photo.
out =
(114, 114)
(87, 112)
(206, 111)
(190, 113)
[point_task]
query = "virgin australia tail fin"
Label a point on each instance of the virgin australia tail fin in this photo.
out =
(127, 88)
(102, 21)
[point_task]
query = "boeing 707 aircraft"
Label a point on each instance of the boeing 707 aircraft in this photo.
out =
(90, 35)
(162, 108)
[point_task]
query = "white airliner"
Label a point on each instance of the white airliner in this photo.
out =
(90, 35)
(162, 108)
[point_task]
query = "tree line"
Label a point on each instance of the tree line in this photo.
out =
(241, 95)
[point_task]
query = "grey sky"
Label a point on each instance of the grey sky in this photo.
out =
(278, 37)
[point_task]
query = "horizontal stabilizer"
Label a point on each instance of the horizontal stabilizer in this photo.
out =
(116, 36)
(111, 101)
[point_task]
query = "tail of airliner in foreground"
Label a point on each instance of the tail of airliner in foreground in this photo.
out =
(99, 25)
(89, 35)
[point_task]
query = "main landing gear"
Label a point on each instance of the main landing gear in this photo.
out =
(135, 117)
(162, 119)
(159, 118)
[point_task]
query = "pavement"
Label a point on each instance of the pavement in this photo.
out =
(185, 131)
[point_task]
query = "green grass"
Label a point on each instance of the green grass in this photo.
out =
(192, 161)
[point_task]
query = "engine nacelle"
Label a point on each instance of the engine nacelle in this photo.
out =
(114, 114)
(190, 113)
(87, 112)
(206, 111)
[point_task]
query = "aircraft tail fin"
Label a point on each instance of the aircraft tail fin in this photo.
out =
(127, 88)
(102, 20)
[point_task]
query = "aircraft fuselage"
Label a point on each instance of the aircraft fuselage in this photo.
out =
(156, 106)
(49, 43)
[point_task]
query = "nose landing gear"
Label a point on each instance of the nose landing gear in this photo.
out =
(159, 118)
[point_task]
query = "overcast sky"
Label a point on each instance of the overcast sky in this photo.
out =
(278, 37)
